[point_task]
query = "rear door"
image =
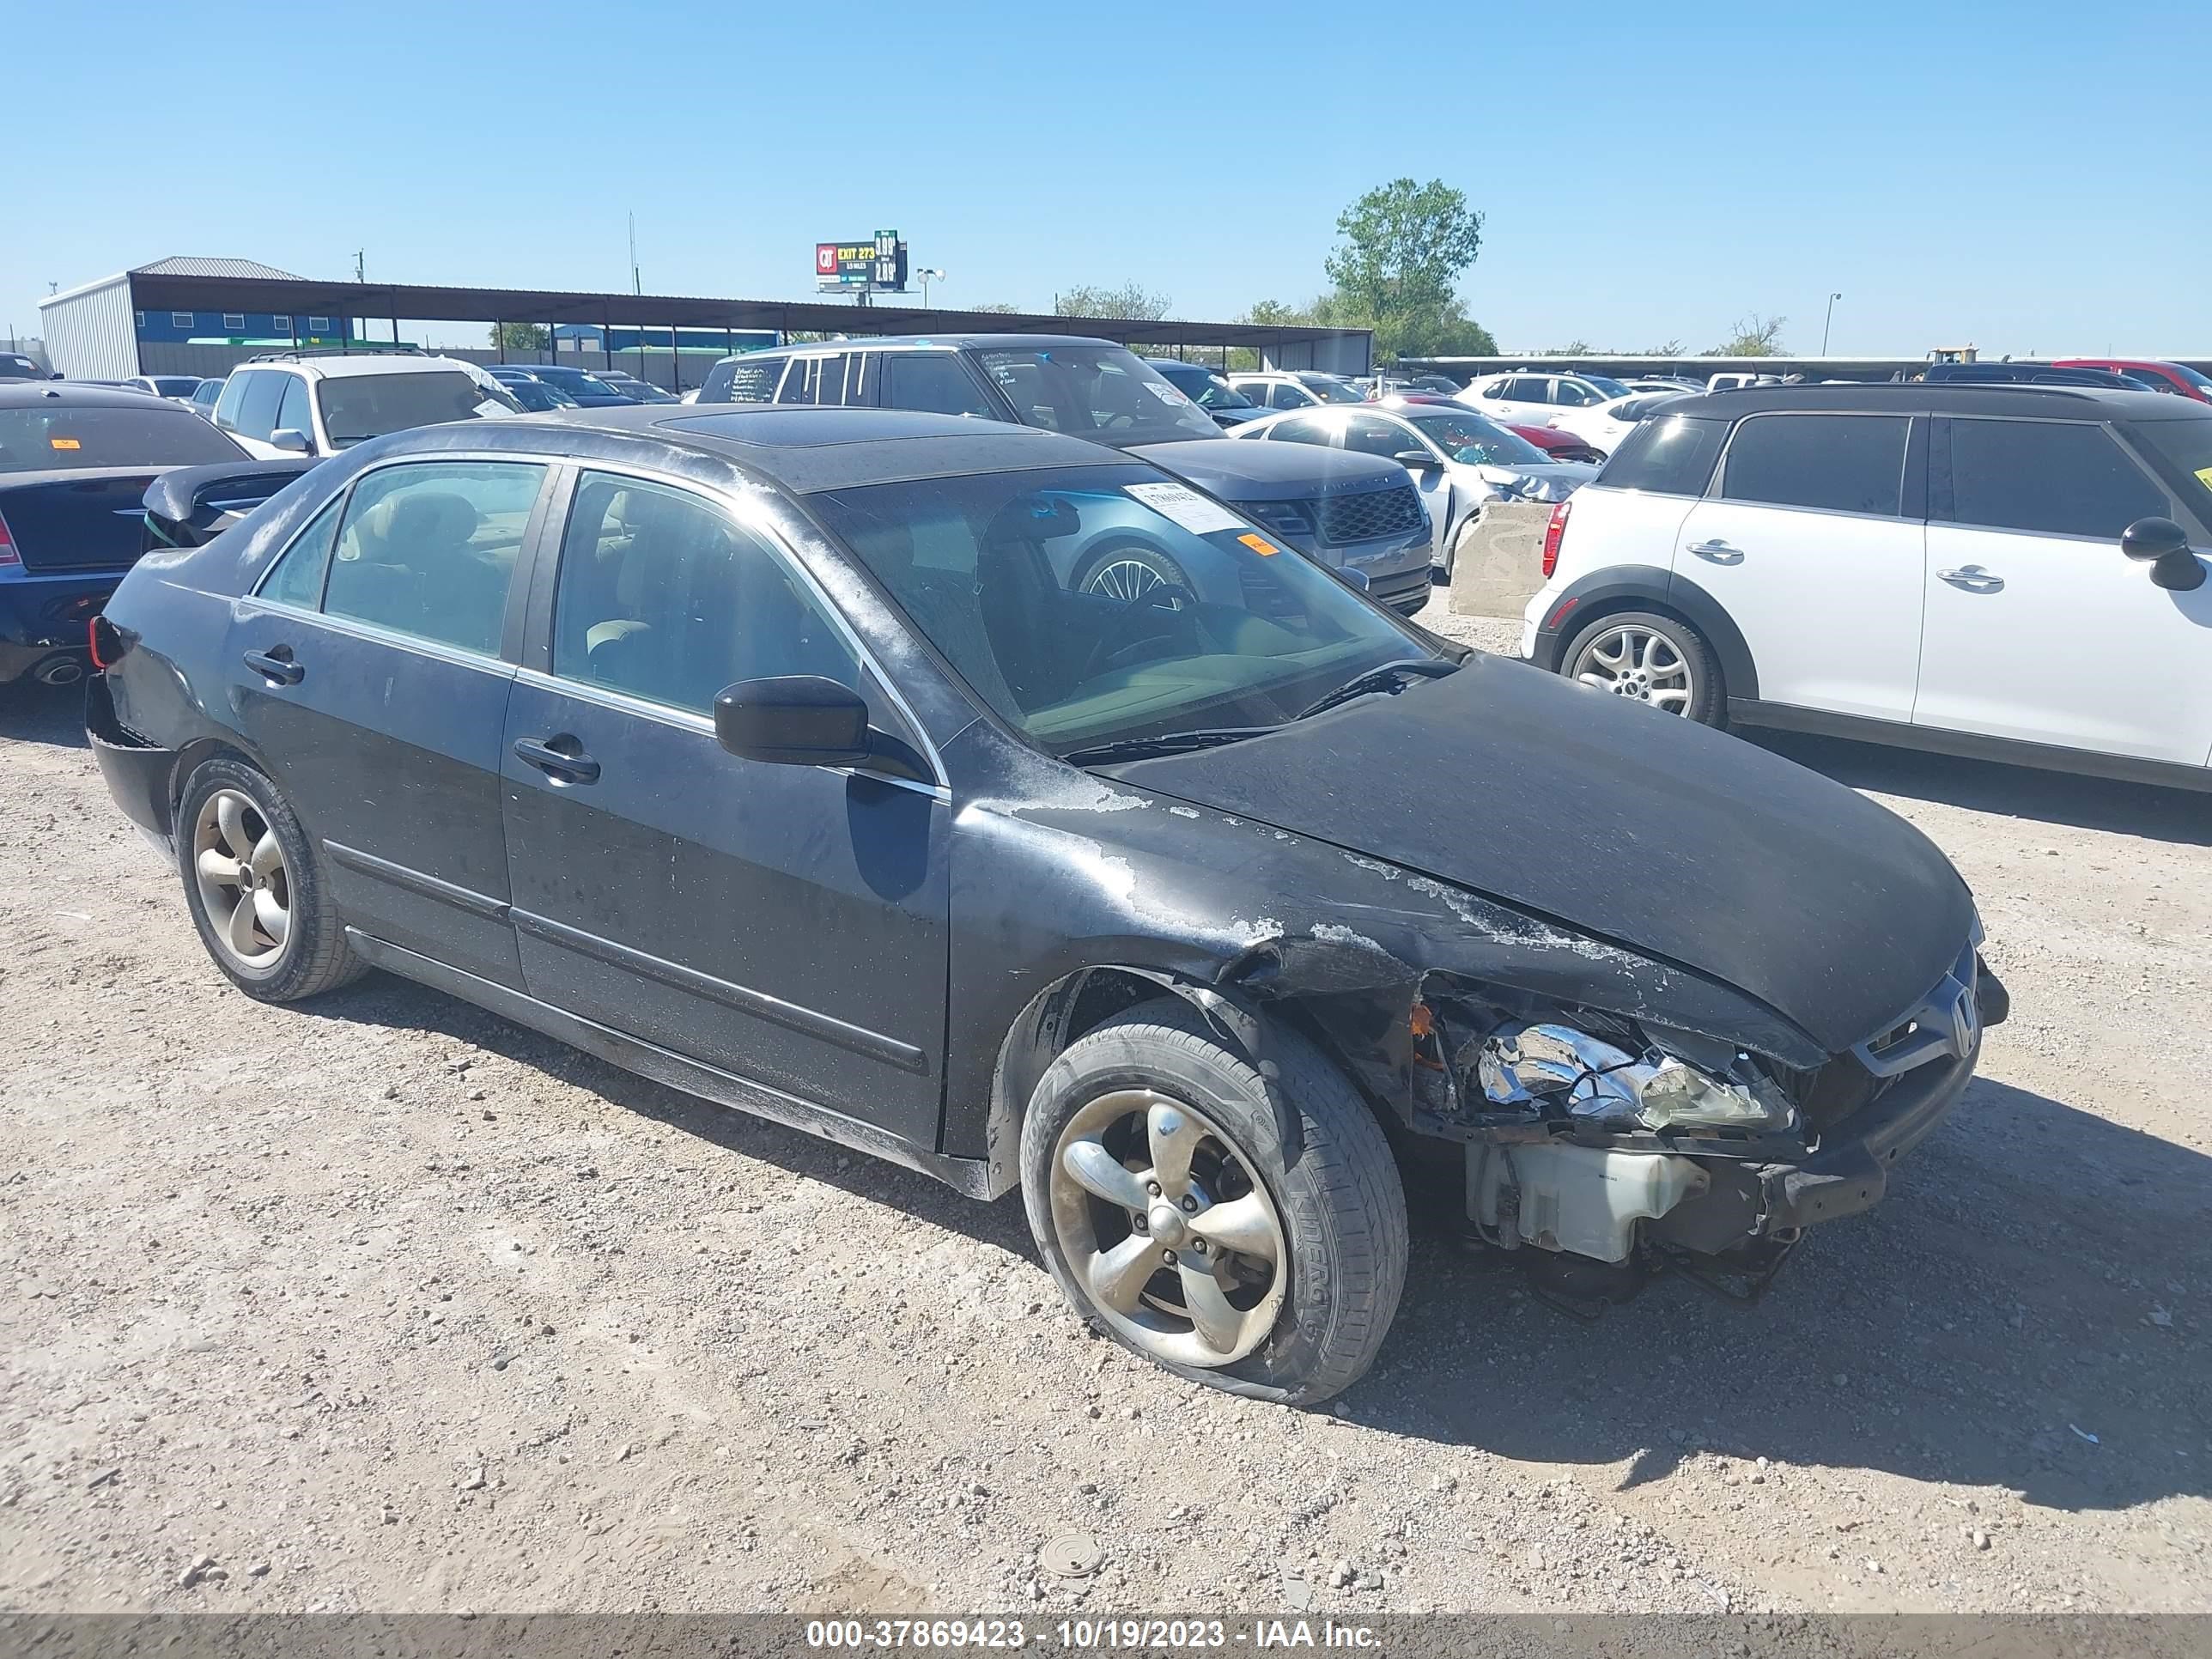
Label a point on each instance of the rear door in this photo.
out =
(2038, 628)
(371, 669)
(785, 924)
(1813, 539)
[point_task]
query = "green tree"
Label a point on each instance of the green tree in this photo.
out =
(521, 337)
(1397, 267)
(1130, 300)
(1754, 336)
(998, 307)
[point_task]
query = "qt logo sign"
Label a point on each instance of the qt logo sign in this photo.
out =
(825, 259)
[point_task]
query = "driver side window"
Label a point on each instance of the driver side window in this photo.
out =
(1372, 436)
(662, 595)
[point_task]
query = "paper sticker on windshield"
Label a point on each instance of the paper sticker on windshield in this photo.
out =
(1185, 507)
(493, 406)
(1166, 393)
(64, 443)
(1260, 545)
(2204, 476)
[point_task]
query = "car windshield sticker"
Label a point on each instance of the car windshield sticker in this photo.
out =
(2204, 476)
(1260, 545)
(69, 443)
(1185, 507)
(1166, 393)
(488, 406)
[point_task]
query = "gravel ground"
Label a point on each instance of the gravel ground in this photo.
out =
(382, 1303)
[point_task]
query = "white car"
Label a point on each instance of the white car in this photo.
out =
(1302, 389)
(1602, 426)
(2015, 572)
(1530, 397)
(1459, 460)
(173, 388)
(298, 404)
(1662, 383)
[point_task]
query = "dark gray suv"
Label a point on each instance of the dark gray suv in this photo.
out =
(1357, 514)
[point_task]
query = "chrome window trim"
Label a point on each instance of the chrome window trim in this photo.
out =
(435, 649)
(747, 516)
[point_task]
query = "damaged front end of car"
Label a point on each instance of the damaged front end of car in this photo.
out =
(1602, 1146)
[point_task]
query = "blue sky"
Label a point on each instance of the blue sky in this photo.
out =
(2027, 176)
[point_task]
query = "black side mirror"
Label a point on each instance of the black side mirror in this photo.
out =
(793, 719)
(2164, 546)
(1417, 460)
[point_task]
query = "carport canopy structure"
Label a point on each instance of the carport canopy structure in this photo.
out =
(1343, 350)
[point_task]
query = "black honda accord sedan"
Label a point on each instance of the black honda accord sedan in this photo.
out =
(778, 755)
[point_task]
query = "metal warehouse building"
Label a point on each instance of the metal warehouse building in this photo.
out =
(107, 330)
(202, 316)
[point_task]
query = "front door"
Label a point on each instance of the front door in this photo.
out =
(2038, 628)
(1812, 543)
(369, 669)
(786, 924)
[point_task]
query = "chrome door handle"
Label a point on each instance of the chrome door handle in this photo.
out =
(1718, 551)
(1974, 578)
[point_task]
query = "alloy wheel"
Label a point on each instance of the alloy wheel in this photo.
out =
(1175, 1243)
(245, 885)
(1124, 578)
(1641, 663)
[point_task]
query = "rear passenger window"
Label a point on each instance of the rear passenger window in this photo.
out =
(257, 404)
(747, 380)
(428, 549)
(1836, 462)
(294, 412)
(933, 381)
(2048, 477)
(1667, 455)
(663, 596)
(296, 578)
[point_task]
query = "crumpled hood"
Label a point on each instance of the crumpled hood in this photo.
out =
(1635, 828)
(1255, 470)
(1547, 481)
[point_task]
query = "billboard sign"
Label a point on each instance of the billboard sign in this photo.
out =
(876, 266)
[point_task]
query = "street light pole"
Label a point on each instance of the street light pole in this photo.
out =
(1831, 318)
(927, 273)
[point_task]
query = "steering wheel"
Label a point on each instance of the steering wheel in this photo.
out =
(1102, 657)
(1113, 421)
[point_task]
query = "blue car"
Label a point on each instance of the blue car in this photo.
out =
(581, 386)
(75, 464)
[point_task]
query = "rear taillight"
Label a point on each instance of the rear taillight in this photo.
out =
(105, 640)
(1554, 533)
(7, 554)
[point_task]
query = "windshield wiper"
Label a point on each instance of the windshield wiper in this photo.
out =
(1385, 678)
(1162, 743)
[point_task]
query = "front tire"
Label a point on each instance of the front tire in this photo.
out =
(1130, 572)
(1158, 1191)
(256, 890)
(1648, 657)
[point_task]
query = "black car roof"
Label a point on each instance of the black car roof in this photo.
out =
(2056, 403)
(807, 449)
(22, 394)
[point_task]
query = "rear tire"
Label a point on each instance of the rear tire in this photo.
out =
(1648, 657)
(1156, 1091)
(255, 887)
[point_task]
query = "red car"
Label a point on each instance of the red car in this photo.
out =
(1559, 446)
(2167, 377)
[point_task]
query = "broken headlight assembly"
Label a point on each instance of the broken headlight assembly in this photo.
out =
(1557, 1070)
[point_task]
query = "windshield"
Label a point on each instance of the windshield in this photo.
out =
(1331, 390)
(2193, 377)
(1095, 603)
(1476, 441)
(176, 385)
(1205, 387)
(1094, 392)
(538, 397)
(578, 382)
(359, 407)
(2186, 446)
(55, 436)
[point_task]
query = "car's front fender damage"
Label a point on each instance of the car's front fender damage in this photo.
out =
(1679, 1117)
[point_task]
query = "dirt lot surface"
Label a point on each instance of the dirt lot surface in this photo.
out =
(383, 1304)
